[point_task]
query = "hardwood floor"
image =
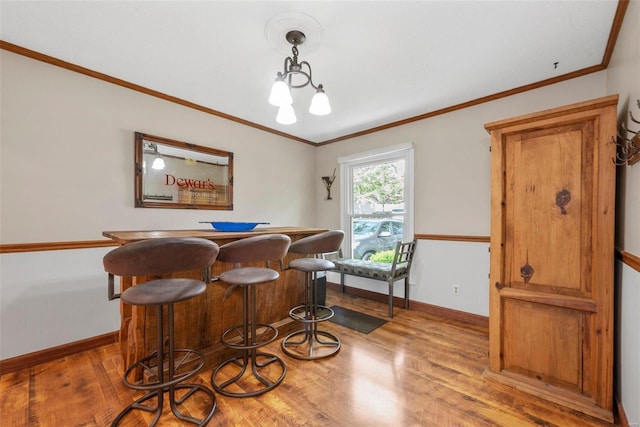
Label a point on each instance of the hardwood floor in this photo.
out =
(415, 370)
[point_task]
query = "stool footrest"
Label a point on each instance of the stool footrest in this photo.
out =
(264, 335)
(307, 314)
(184, 358)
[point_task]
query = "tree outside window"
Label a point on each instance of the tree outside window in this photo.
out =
(379, 188)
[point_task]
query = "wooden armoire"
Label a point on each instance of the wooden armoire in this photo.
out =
(552, 254)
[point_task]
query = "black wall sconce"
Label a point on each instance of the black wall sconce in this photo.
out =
(328, 182)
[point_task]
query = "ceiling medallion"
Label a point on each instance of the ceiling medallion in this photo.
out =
(276, 29)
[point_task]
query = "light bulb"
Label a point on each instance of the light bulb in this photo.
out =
(280, 94)
(320, 103)
(286, 115)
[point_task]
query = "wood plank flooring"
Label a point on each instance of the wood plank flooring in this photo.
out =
(415, 370)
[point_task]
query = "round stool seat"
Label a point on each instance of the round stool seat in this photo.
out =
(249, 276)
(311, 264)
(163, 291)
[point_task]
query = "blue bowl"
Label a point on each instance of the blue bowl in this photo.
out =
(233, 226)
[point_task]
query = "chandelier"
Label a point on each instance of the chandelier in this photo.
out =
(296, 75)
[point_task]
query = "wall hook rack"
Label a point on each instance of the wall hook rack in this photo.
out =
(628, 143)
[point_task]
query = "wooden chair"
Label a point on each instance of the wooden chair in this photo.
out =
(390, 273)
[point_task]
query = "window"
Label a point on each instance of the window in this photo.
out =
(376, 200)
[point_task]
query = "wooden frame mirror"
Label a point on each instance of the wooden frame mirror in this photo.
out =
(178, 175)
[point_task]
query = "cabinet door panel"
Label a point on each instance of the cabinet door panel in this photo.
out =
(544, 342)
(547, 209)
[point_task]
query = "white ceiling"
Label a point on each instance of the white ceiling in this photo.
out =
(379, 61)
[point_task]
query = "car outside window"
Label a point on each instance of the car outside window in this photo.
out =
(398, 230)
(364, 228)
(371, 236)
(385, 228)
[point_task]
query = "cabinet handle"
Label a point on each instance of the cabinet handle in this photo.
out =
(562, 199)
(527, 270)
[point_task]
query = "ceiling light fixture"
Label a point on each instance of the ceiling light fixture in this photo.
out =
(294, 77)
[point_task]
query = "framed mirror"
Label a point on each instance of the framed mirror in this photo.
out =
(179, 175)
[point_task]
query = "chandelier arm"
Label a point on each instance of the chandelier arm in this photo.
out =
(290, 83)
(287, 65)
(313, 85)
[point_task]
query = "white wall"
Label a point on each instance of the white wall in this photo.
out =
(67, 159)
(66, 173)
(623, 77)
(470, 273)
(54, 297)
(627, 353)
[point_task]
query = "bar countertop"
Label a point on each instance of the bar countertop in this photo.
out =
(211, 234)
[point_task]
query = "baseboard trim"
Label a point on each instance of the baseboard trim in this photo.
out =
(622, 419)
(31, 359)
(462, 316)
(473, 319)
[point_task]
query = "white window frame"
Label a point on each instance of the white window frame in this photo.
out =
(386, 154)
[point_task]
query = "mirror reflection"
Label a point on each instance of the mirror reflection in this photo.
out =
(174, 174)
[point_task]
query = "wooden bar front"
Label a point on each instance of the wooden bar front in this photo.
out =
(200, 322)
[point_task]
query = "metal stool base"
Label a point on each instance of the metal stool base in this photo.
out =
(249, 379)
(310, 346)
(155, 364)
(192, 389)
(252, 379)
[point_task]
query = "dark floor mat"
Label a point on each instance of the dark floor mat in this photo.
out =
(355, 320)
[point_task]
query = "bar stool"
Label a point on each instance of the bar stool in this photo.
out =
(155, 257)
(247, 337)
(311, 343)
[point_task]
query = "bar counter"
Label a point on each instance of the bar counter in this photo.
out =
(200, 322)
